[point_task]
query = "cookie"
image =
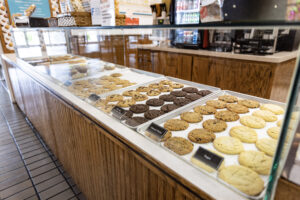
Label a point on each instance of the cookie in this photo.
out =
(244, 133)
(109, 67)
(166, 136)
(177, 85)
(273, 132)
(167, 97)
(181, 102)
(193, 97)
(190, 90)
(151, 114)
(135, 121)
(279, 123)
(130, 93)
(116, 75)
(153, 92)
(128, 114)
(165, 82)
(266, 115)
(168, 108)
(267, 145)
(204, 92)
(214, 125)
(154, 85)
(201, 136)
(176, 125)
(139, 97)
(107, 108)
(142, 89)
(126, 103)
(242, 178)
(179, 145)
(228, 98)
(165, 88)
(191, 117)
(257, 161)
(216, 104)
(178, 93)
(139, 108)
(277, 110)
(205, 110)
(237, 108)
(249, 103)
(253, 122)
(155, 102)
(228, 145)
(227, 116)
(114, 97)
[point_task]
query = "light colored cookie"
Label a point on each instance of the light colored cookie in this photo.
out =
(179, 145)
(242, 178)
(191, 117)
(253, 122)
(139, 97)
(267, 145)
(154, 85)
(205, 166)
(116, 75)
(177, 85)
(165, 88)
(165, 82)
(249, 103)
(143, 89)
(277, 110)
(214, 125)
(205, 110)
(266, 115)
(228, 98)
(244, 133)
(273, 132)
(201, 136)
(216, 104)
(237, 108)
(166, 136)
(257, 161)
(279, 123)
(130, 93)
(114, 97)
(153, 92)
(227, 116)
(228, 145)
(176, 125)
(126, 103)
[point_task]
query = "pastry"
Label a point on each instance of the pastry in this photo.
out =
(135, 121)
(165, 82)
(193, 97)
(265, 115)
(267, 145)
(214, 125)
(190, 90)
(114, 97)
(154, 85)
(216, 104)
(257, 161)
(244, 133)
(249, 103)
(166, 136)
(126, 103)
(116, 75)
(155, 102)
(176, 125)
(205, 110)
(227, 116)
(277, 110)
(228, 145)
(130, 93)
(273, 132)
(179, 145)
(153, 92)
(151, 114)
(228, 98)
(204, 92)
(191, 117)
(167, 97)
(201, 136)
(168, 108)
(139, 108)
(139, 97)
(177, 85)
(181, 101)
(142, 89)
(178, 93)
(165, 88)
(252, 121)
(242, 178)
(237, 108)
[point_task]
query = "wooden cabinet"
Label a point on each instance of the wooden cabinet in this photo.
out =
(145, 60)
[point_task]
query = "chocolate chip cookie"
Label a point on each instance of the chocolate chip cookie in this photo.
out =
(179, 145)
(177, 85)
(249, 103)
(190, 90)
(181, 101)
(126, 103)
(139, 97)
(165, 88)
(201, 136)
(191, 117)
(178, 93)
(153, 92)
(168, 108)
(151, 114)
(114, 97)
(205, 110)
(227, 116)
(139, 108)
(176, 125)
(228, 98)
(142, 89)
(215, 125)
(154, 85)
(237, 108)
(135, 121)
(193, 97)
(216, 104)
(130, 93)
(167, 97)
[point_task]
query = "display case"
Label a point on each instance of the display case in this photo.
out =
(237, 140)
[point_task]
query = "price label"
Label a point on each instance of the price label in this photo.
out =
(94, 97)
(118, 112)
(67, 83)
(209, 158)
(156, 132)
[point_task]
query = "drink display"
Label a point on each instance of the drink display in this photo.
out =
(187, 12)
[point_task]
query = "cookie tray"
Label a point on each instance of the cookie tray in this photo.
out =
(184, 82)
(229, 159)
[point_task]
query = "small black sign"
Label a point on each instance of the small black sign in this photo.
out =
(67, 83)
(157, 131)
(118, 112)
(94, 97)
(211, 159)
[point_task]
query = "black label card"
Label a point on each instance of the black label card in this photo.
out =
(67, 83)
(157, 131)
(94, 97)
(118, 112)
(211, 159)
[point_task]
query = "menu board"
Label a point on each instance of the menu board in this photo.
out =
(107, 10)
(19, 6)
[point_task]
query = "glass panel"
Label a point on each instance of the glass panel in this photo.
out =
(32, 38)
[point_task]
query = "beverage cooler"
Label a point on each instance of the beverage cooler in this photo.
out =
(187, 12)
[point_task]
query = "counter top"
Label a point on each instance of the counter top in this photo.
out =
(275, 58)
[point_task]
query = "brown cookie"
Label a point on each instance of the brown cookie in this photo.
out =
(227, 116)
(190, 90)
(168, 108)
(116, 74)
(181, 101)
(237, 108)
(139, 108)
(204, 92)
(179, 145)
(167, 97)
(178, 93)
(155, 102)
(215, 125)
(135, 121)
(228, 98)
(151, 114)
(205, 110)
(216, 104)
(128, 114)
(249, 103)
(193, 97)
(167, 136)
(191, 117)
(201, 136)
(176, 125)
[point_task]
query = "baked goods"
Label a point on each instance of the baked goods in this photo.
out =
(130, 93)
(205, 110)
(151, 114)
(153, 92)
(193, 97)
(227, 116)
(244, 133)
(257, 161)
(252, 121)
(179, 145)
(214, 125)
(135, 121)
(181, 101)
(139, 108)
(114, 97)
(167, 97)
(279, 123)
(191, 117)
(166, 136)
(139, 97)
(228, 98)
(176, 125)
(237, 108)
(266, 115)
(109, 67)
(154, 85)
(116, 74)
(142, 89)
(267, 145)
(277, 110)
(216, 104)
(128, 114)
(228, 145)
(165, 88)
(249, 103)
(201, 136)
(168, 108)
(155, 102)
(204, 92)
(273, 132)
(165, 82)
(242, 178)
(178, 93)
(177, 85)
(190, 90)
(126, 103)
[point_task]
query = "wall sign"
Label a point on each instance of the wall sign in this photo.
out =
(19, 6)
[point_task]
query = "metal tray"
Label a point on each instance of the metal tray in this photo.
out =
(231, 159)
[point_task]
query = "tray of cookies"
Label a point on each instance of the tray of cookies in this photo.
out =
(242, 129)
(144, 102)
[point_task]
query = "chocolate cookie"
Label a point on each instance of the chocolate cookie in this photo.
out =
(227, 116)
(155, 102)
(178, 93)
(135, 121)
(204, 92)
(128, 114)
(167, 97)
(151, 114)
(139, 108)
(190, 90)
(181, 101)
(193, 97)
(168, 108)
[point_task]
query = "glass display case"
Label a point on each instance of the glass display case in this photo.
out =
(240, 137)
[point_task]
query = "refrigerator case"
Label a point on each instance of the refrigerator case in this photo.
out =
(187, 12)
